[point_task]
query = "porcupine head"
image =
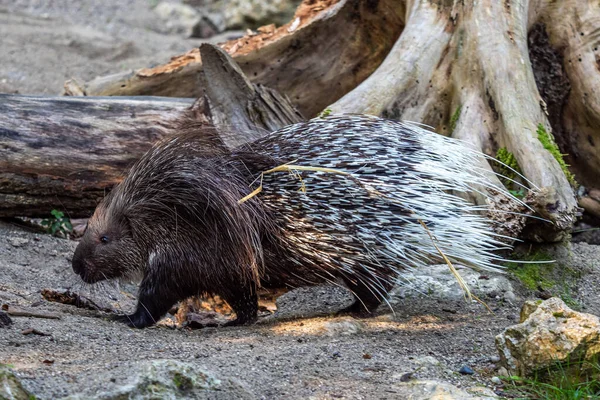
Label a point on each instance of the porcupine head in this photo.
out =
(107, 249)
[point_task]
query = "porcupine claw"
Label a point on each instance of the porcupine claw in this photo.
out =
(135, 320)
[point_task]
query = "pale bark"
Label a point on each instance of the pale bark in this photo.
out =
(472, 59)
(573, 29)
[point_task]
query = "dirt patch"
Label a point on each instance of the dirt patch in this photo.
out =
(45, 43)
(329, 356)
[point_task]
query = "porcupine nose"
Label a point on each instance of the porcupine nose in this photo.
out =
(78, 263)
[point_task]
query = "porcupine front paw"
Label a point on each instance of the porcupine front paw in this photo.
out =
(139, 319)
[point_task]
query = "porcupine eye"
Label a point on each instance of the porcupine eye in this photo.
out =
(104, 239)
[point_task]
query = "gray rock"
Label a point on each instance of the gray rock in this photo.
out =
(550, 332)
(178, 18)
(254, 13)
(437, 281)
(17, 241)
(169, 379)
(313, 301)
(243, 14)
(427, 389)
(10, 386)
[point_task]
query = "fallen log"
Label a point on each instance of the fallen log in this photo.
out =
(65, 153)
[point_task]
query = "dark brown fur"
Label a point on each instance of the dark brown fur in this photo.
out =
(175, 218)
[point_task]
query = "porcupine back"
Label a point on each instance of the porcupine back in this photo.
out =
(368, 227)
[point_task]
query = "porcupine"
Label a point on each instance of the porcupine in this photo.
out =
(377, 197)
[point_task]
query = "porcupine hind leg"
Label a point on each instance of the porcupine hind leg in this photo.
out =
(244, 301)
(368, 296)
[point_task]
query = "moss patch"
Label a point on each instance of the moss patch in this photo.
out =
(508, 168)
(454, 119)
(548, 142)
(10, 386)
(532, 276)
(539, 274)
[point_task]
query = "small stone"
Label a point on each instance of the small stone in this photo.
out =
(496, 380)
(406, 376)
(17, 241)
(4, 319)
(495, 359)
(346, 326)
(502, 371)
(510, 297)
(465, 370)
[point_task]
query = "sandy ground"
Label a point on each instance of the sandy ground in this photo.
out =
(328, 356)
(46, 42)
(325, 357)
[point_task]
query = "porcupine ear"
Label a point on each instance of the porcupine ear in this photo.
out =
(123, 224)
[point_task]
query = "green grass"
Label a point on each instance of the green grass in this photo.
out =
(325, 113)
(454, 118)
(559, 384)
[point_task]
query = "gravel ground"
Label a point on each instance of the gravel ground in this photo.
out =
(46, 42)
(326, 357)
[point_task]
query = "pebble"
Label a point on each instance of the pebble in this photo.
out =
(495, 359)
(17, 241)
(465, 370)
(510, 297)
(496, 380)
(4, 319)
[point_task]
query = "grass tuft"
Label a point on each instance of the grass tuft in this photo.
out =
(549, 144)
